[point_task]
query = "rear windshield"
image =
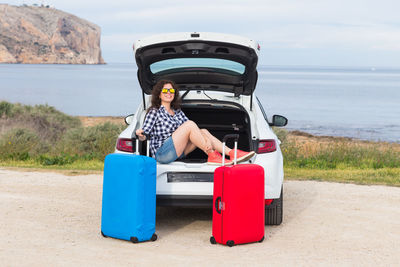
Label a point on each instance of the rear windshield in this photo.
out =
(174, 63)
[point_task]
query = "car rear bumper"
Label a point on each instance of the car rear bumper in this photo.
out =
(194, 179)
(192, 201)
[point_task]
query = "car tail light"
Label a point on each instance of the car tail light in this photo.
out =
(268, 202)
(266, 146)
(125, 144)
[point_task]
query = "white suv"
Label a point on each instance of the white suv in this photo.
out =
(217, 76)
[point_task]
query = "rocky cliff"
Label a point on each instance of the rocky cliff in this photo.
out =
(30, 34)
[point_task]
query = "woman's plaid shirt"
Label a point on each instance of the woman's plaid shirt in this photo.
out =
(160, 125)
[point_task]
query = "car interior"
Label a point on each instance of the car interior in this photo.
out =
(219, 120)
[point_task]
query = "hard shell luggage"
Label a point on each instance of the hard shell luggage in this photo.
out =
(129, 197)
(238, 212)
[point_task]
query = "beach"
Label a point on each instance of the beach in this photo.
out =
(53, 219)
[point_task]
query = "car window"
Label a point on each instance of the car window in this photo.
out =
(174, 63)
(262, 110)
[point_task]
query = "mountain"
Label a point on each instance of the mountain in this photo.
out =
(41, 34)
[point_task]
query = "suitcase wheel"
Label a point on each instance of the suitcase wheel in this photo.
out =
(134, 239)
(103, 234)
(230, 243)
(153, 237)
(212, 240)
(262, 239)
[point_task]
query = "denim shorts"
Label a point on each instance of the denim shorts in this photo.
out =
(167, 153)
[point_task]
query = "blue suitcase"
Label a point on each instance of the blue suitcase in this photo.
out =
(129, 197)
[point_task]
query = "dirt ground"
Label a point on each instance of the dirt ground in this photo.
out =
(50, 219)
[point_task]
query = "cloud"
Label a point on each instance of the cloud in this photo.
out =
(368, 25)
(331, 36)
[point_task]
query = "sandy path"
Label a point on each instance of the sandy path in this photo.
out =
(49, 219)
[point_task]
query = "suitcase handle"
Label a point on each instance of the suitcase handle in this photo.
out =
(147, 147)
(217, 206)
(236, 139)
(231, 136)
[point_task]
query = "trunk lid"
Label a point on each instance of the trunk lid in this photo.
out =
(198, 61)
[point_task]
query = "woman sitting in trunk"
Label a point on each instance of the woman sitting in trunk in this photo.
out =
(173, 135)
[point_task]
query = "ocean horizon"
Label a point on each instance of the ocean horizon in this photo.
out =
(356, 102)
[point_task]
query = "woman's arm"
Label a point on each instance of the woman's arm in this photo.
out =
(149, 121)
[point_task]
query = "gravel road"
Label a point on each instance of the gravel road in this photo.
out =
(51, 219)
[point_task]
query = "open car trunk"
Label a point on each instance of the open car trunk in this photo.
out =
(220, 119)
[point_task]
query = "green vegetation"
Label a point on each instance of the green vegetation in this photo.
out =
(35, 136)
(384, 176)
(42, 137)
(339, 159)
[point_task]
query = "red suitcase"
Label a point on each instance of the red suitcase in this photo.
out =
(238, 212)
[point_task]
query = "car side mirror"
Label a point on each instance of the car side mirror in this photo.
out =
(279, 121)
(128, 119)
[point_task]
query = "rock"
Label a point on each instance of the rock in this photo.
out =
(39, 34)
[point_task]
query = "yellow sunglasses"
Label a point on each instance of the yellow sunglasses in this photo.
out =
(166, 90)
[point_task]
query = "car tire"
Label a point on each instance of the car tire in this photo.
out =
(274, 211)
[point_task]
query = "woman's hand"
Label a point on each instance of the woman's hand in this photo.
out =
(139, 133)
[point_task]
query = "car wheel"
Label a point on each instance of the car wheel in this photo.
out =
(274, 212)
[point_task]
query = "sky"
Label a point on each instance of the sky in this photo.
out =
(290, 32)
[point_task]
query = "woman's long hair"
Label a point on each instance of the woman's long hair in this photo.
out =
(155, 95)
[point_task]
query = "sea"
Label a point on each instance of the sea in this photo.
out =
(356, 102)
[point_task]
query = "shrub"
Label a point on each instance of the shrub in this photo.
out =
(56, 160)
(94, 142)
(5, 109)
(281, 134)
(340, 154)
(48, 123)
(18, 144)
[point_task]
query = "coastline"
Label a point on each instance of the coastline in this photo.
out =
(82, 148)
(293, 135)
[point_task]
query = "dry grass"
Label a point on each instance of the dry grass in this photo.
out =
(89, 121)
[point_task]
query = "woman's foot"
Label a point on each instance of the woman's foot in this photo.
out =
(241, 155)
(215, 158)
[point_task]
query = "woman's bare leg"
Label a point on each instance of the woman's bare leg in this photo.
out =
(189, 131)
(216, 144)
(189, 148)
